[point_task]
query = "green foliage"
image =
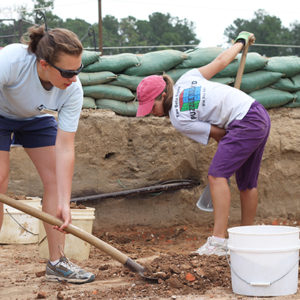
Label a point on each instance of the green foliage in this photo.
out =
(159, 30)
(267, 30)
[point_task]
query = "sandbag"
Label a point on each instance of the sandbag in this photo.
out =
(96, 77)
(288, 65)
(290, 84)
(89, 57)
(295, 102)
(259, 79)
(199, 57)
(89, 102)
(224, 80)
(269, 97)
(175, 74)
(156, 62)
(113, 63)
(254, 62)
(130, 82)
(121, 108)
(107, 91)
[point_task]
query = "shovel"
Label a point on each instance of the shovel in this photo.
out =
(205, 202)
(78, 232)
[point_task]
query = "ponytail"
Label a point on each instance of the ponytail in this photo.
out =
(167, 104)
(48, 45)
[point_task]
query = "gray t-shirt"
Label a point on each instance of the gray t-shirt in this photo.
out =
(22, 94)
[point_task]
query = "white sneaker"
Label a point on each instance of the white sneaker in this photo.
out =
(212, 247)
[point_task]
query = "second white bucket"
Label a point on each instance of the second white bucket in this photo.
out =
(75, 248)
(264, 260)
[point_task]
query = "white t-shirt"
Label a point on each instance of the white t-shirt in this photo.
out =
(21, 92)
(199, 103)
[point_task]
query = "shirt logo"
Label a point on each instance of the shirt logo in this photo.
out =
(189, 99)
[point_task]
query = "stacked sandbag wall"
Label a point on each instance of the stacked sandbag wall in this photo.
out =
(110, 82)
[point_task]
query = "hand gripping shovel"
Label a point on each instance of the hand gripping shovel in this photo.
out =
(205, 202)
(78, 232)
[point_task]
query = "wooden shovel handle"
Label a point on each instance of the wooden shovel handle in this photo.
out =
(239, 74)
(78, 232)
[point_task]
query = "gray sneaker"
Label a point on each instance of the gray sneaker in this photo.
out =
(65, 270)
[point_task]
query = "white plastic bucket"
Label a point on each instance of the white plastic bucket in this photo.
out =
(75, 248)
(19, 227)
(264, 260)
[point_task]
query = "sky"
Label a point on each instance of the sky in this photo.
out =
(209, 17)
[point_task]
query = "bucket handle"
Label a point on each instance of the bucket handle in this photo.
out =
(25, 229)
(258, 283)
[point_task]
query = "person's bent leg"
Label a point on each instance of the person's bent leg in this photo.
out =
(4, 174)
(249, 200)
(44, 161)
(220, 194)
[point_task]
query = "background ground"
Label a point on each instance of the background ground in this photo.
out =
(166, 250)
(160, 230)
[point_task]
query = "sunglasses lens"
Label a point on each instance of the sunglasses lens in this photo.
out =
(68, 74)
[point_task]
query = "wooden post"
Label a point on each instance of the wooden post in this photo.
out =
(100, 27)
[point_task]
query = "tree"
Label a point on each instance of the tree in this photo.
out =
(267, 30)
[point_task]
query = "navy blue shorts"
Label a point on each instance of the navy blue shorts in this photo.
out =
(34, 133)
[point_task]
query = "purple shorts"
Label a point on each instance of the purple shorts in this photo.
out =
(34, 133)
(240, 151)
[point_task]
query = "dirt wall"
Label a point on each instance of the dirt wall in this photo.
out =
(115, 153)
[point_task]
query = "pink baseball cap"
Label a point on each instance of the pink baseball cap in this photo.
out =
(147, 91)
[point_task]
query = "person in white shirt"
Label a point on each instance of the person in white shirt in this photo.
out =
(38, 77)
(203, 109)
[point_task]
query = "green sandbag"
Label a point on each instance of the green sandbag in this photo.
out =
(107, 91)
(295, 102)
(199, 57)
(89, 102)
(157, 62)
(288, 65)
(130, 82)
(121, 108)
(113, 63)
(175, 74)
(269, 97)
(89, 57)
(296, 80)
(290, 84)
(96, 77)
(257, 80)
(254, 62)
(224, 80)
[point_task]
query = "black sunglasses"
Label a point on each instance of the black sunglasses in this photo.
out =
(67, 73)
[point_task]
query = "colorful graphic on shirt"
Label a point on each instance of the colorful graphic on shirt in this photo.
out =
(189, 99)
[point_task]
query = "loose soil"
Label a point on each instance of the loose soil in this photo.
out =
(166, 252)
